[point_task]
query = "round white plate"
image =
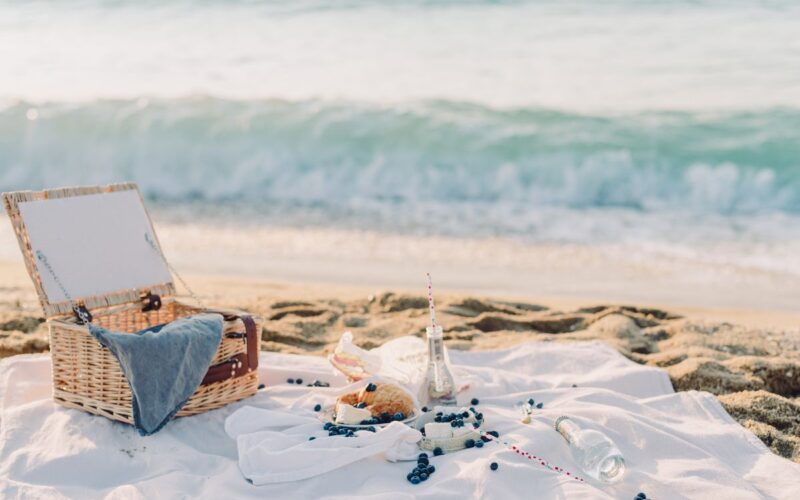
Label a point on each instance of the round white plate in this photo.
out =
(326, 415)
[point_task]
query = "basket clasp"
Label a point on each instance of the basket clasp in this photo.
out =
(150, 301)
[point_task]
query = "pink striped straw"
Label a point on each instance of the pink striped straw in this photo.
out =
(431, 306)
(533, 458)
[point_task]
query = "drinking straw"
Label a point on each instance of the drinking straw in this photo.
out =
(431, 305)
(519, 451)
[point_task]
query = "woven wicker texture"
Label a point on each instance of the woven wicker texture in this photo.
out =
(88, 377)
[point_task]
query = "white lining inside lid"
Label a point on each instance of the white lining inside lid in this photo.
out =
(94, 243)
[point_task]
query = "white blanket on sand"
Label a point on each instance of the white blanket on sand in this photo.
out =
(677, 445)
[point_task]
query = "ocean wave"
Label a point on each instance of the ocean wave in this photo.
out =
(330, 153)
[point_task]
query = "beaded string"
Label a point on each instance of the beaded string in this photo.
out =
(519, 451)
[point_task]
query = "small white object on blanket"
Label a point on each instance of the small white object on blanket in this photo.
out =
(274, 446)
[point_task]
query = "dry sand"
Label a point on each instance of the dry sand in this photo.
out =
(753, 370)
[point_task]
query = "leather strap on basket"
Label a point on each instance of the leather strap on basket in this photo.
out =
(242, 363)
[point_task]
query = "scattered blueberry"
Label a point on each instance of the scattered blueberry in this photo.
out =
(431, 469)
(641, 496)
(425, 409)
(539, 405)
(371, 429)
(479, 444)
(317, 407)
(494, 466)
(361, 405)
(469, 443)
(437, 451)
(385, 418)
(299, 381)
(494, 433)
(327, 426)
(422, 455)
(439, 414)
(371, 387)
(261, 386)
(333, 433)
(290, 381)
(474, 402)
(423, 476)
(531, 402)
(437, 419)
(414, 479)
(453, 424)
(399, 416)
(312, 438)
(343, 431)
(479, 416)
(485, 439)
(475, 425)
(465, 414)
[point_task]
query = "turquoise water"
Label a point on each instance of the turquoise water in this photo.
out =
(549, 121)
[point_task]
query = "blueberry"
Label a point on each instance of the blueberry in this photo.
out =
(431, 469)
(494, 466)
(539, 405)
(399, 416)
(349, 434)
(312, 438)
(454, 424)
(437, 451)
(364, 422)
(479, 444)
(465, 414)
(371, 429)
(479, 416)
(641, 495)
(439, 414)
(299, 381)
(409, 476)
(531, 402)
(423, 476)
(361, 405)
(425, 409)
(494, 433)
(474, 401)
(371, 387)
(343, 431)
(469, 443)
(414, 479)
(333, 433)
(475, 425)
(317, 407)
(485, 439)
(422, 455)
(385, 418)
(327, 426)
(261, 386)
(437, 419)
(574, 385)
(290, 381)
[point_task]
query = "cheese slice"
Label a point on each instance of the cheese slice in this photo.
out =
(348, 414)
(436, 430)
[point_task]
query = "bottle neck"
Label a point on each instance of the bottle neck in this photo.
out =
(435, 344)
(567, 428)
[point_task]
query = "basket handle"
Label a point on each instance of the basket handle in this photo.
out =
(240, 364)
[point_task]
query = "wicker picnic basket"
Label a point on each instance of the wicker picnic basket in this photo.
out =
(86, 375)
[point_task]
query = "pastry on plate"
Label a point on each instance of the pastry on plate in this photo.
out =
(380, 399)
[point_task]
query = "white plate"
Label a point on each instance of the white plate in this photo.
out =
(326, 415)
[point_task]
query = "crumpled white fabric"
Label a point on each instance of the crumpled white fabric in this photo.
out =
(677, 445)
(274, 445)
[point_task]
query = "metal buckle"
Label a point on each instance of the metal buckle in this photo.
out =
(151, 302)
(82, 314)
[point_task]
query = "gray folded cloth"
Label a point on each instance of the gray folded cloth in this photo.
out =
(164, 364)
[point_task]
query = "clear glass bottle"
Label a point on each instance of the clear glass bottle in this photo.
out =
(595, 452)
(438, 386)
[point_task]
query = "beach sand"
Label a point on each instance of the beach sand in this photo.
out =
(753, 370)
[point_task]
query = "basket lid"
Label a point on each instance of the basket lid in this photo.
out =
(95, 245)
